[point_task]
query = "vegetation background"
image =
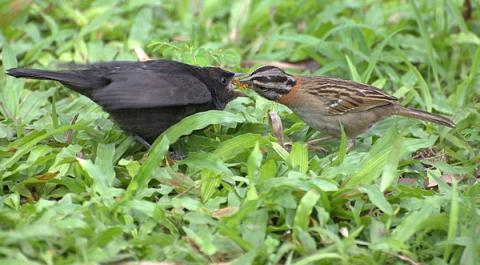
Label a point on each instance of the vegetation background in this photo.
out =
(76, 190)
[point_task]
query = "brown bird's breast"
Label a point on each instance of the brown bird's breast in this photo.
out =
(291, 96)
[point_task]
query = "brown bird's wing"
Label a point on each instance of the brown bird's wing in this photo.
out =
(344, 96)
(142, 88)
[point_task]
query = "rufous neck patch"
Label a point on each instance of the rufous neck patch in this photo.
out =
(289, 97)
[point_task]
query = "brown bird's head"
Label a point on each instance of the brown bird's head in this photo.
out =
(219, 82)
(269, 81)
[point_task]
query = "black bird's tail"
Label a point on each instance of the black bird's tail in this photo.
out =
(76, 80)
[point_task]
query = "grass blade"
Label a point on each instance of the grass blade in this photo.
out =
(304, 210)
(453, 220)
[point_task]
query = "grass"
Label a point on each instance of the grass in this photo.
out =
(77, 190)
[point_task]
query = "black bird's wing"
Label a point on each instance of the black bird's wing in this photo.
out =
(147, 88)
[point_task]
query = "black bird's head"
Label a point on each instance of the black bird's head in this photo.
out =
(269, 81)
(219, 82)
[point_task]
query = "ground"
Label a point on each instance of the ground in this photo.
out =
(77, 190)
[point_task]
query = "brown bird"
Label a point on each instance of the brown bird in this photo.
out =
(326, 103)
(145, 98)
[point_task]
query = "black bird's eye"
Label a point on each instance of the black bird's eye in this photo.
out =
(223, 80)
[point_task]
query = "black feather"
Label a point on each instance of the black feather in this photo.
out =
(144, 98)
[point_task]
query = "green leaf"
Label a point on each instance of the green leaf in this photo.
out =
(424, 89)
(390, 168)
(376, 55)
(12, 90)
(253, 165)
(305, 208)
(342, 149)
(353, 70)
(232, 147)
(427, 44)
(210, 181)
(204, 241)
(97, 22)
(453, 219)
(298, 157)
(280, 151)
(199, 121)
(315, 257)
(377, 198)
(26, 144)
(200, 161)
(102, 171)
(145, 173)
(254, 162)
(255, 227)
(140, 31)
(412, 223)
(324, 184)
(373, 164)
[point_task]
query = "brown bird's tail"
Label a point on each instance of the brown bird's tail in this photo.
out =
(423, 115)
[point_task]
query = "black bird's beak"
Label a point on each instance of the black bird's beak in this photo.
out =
(236, 75)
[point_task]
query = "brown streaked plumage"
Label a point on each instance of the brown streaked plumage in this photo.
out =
(326, 103)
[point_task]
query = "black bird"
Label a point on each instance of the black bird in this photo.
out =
(145, 98)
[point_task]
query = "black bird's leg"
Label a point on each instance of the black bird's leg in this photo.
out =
(142, 141)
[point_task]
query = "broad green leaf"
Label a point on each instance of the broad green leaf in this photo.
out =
(238, 144)
(199, 121)
(204, 241)
(201, 161)
(324, 184)
(410, 224)
(280, 151)
(373, 164)
(390, 169)
(145, 173)
(305, 208)
(102, 171)
(298, 157)
(12, 89)
(255, 227)
(140, 31)
(377, 198)
(106, 236)
(98, 22)
(27, 143)
(209, 184)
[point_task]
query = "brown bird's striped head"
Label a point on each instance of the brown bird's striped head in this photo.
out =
(269, 81)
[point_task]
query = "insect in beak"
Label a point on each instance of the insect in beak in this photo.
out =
(242, 83)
